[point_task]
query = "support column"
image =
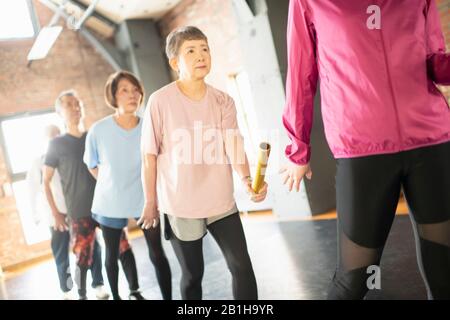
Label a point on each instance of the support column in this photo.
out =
(142, 45)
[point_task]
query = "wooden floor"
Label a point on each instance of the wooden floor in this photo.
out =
(293, 260)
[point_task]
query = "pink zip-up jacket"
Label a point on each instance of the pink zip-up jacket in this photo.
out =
(378, 62)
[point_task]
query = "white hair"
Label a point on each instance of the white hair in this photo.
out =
(66, 93)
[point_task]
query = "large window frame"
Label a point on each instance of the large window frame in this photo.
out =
(33, 233)
(34, 21)
(18, 175)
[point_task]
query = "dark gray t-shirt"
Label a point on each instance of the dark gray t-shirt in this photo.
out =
(65, 153)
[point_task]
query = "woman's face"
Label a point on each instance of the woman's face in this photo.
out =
(128, 97)
(193, 61)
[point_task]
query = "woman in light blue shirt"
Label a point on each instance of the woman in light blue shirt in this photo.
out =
(113, 157)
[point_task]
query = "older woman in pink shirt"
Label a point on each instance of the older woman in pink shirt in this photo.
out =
(191, 143)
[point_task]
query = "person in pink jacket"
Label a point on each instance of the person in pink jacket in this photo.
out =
(386, 123)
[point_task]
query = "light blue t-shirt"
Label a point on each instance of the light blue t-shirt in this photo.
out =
(116, 152)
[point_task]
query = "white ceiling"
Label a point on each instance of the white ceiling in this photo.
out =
(119, 10)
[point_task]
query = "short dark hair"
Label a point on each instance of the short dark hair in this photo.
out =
(113, 82)
(177, 37)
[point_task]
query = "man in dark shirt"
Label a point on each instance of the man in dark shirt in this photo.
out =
(65, 153)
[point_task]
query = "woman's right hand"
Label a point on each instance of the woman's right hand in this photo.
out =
(60, 222)
(149, 217)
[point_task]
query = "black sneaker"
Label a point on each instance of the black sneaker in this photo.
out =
(82, 298)
(136, 296)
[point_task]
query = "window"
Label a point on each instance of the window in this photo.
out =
(238, 86)
(17, 19)
(24, 140)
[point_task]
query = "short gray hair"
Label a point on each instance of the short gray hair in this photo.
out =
(177, 37)
(66, 93)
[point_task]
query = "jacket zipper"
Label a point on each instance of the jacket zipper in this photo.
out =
(392, 91)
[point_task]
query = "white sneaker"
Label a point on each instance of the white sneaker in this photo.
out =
(101, 293)
(67, 296)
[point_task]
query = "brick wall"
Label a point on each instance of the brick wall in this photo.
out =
(72, 63)
(216, 19)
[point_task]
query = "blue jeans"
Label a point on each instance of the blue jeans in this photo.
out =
(60, 242)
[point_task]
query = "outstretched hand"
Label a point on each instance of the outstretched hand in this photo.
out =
(294, 174)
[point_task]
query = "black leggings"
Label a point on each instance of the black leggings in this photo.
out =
(229, 235)
(368, 190)
(116, 249)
